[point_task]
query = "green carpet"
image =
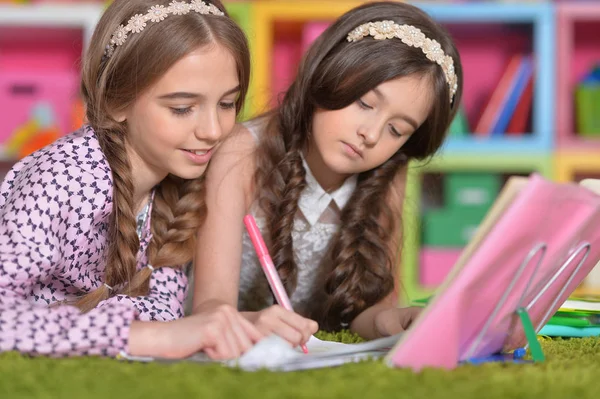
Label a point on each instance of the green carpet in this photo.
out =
(572, 370)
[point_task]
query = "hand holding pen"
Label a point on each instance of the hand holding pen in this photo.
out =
(276, 285)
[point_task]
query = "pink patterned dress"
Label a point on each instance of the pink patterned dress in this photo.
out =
(54, 211)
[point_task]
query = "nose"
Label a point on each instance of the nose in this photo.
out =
(209, 128)
(369, 134)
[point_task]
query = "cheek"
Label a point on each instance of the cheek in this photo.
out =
(395, 147)
(164, 131)
(319, 142)
(387, 149)
(151, 121)
(321, 125)
(228, 123)
(322, 134)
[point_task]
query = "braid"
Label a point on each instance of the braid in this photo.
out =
(280, 179)
(123, 242)
(359, 255)
(177, 213)
(281, 223)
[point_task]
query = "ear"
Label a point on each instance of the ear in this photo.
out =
(120, 116)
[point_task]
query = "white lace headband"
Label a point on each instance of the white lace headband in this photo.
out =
(411, 36)
(157, 13)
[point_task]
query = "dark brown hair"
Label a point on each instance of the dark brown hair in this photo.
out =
(334, 74)
(110, 85)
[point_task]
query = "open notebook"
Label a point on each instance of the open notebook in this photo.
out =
(276, 354)
(536, 244)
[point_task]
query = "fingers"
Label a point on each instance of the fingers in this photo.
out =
(234, 347)
(410, 314)
(238, 330)
(228, 334)
(219, 341)
(250, 330)
(288, 325)
(240, 335)
(287, 332)
(211, 353)
(223, 333)
(394, 320)
(311, 328)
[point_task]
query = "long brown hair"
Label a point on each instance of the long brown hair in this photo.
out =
(110, 85)
(334, 74)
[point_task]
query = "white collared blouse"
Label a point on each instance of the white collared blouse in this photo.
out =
(316, 222)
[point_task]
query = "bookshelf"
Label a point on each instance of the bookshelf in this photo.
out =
(41, 46)
(242, 13)
(40, 50)
(524, 28)
(493, 166)
(578, 49)
(578, 46)
(50, 15)
(560, 37)
(575, 166)
(271, 17)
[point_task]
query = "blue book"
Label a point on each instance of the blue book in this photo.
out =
(524, 74)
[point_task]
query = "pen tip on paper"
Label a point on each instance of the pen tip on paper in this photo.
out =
(305, 349)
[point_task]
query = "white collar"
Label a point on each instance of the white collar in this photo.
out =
(314, 200)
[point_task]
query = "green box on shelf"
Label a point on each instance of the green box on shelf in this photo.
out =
(241, 13)
(459, 126)
(587, 97)
(471, 190)
(450, 228)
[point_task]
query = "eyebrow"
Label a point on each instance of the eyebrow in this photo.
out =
(183, 95)
(406, 118)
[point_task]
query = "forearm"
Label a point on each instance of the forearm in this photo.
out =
(210, 303)
(165, 299)
(62, 330)
(148, 339)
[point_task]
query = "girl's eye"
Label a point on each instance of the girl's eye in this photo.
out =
(394, 131)
(181, 111)
(226, 105)
(363, 104)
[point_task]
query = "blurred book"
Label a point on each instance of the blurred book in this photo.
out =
(577, 317)
(509, 105)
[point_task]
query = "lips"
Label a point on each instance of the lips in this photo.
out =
(354, 149)
(199, 152)
(198, 156)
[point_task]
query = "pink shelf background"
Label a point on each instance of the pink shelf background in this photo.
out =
(578, 49)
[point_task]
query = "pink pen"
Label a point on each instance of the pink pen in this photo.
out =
(267, 265)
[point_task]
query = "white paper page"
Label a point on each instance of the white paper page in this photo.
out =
(316, 346)
(276, 354)
(587, 306)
